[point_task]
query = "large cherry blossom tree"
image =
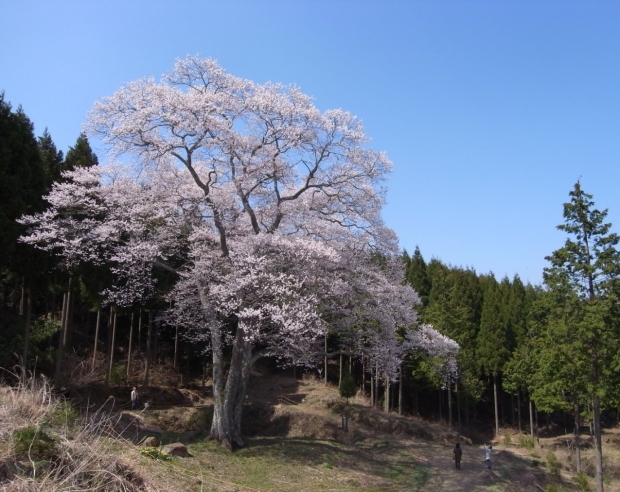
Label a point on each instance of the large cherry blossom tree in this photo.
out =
(265, 209)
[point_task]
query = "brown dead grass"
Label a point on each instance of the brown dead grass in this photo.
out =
(562, 446)
(84, 457)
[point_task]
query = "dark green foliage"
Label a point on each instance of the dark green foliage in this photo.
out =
(34, 444)
(156, 454)
(81, 154)
(589, 262)
(22, 181)
(51, 157)
(583, 482)
(493, 347)
(417, 276)
(454, 308)
(347, 387)
(63, 416)
(578, 331)
(553, 465)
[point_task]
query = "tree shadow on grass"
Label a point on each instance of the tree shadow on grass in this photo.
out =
(379, 459)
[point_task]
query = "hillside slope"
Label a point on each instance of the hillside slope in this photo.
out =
(294, 442)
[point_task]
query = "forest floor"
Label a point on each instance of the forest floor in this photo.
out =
(295, 442)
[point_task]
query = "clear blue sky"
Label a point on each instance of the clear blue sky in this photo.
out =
(490, 110)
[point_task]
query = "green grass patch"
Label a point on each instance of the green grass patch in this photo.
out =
(34, 444)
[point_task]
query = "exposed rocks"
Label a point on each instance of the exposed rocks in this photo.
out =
(151, 442)
(177, 449)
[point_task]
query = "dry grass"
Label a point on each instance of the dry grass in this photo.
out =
(561, 448)
(82, 458)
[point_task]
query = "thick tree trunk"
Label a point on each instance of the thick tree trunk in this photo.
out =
(220, 426)
(386, 396)
(96, 338)
(229, 397)
(340, 374)
(519, 409)
(240, 395)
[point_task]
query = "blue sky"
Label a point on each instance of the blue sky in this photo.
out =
(490, 110)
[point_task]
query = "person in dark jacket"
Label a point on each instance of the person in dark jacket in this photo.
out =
(458, 454)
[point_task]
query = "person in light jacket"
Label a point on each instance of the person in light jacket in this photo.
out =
(487, 455)
(135, 399)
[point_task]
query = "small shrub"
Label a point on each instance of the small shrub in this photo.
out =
(526, 442)
(156, 454)
(34, 444)
(551, 488)
(535, 463)
(581, 479)
(336, 406)
(507, 439)
(118, 375)
(63, 415)
(200, 420)
(347, 387)
(553, 464)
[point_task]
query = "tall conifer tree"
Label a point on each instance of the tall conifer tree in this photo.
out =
(493, 350)
(417, 276)
(584, 280)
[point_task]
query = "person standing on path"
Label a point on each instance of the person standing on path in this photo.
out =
(458, 453)
(487, 455)
(135, 399)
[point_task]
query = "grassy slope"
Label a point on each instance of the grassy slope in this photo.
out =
(301, 448)
(290, 447)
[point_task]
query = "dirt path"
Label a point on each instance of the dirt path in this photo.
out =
(509, 472)
(473, 475)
